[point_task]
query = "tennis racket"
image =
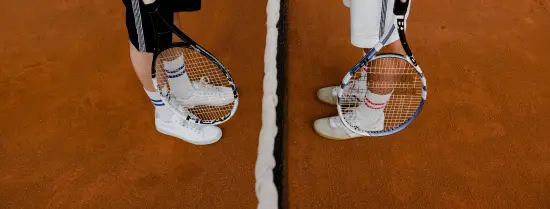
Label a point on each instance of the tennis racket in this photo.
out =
(382, 94)
(191, 81)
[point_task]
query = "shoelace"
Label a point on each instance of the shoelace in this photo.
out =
(335, 122)
(190, 125)
(203, 83)
(193, 127)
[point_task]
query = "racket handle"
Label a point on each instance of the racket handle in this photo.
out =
(146, 2)
(400, 8)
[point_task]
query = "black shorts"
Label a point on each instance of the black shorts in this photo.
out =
(140, 25)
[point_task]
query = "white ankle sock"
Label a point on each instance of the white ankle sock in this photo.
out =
(177, 77)
(160, 109)
(376, 101)
(371, 113)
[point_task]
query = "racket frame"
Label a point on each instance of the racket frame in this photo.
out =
(191, 44)
(398, 20)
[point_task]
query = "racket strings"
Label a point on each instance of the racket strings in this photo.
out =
(383, 76)
(202, 89)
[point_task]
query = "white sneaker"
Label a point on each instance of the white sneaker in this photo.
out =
(334, 128)
(189, 132)
(204, 93)
(194, 93)
(329, 94)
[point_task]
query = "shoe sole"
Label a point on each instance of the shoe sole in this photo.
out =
(333, 138)
(195, 143)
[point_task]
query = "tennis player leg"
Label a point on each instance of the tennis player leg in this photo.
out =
(369, 20)
(142, 43)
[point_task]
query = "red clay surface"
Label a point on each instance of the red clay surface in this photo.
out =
(77, 130)
(482, 139)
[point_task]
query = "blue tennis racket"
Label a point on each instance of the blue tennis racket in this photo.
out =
(383, 93)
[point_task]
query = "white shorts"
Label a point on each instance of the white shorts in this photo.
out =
(369, 20)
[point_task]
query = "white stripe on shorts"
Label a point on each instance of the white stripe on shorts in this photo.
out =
(383, 18)
(139, 25)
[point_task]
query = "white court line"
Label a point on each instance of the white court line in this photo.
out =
(266, 191)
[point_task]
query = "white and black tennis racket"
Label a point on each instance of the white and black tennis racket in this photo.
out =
(396, 83)
(191, 81)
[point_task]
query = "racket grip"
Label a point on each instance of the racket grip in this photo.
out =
(400, 8)
(146, 2)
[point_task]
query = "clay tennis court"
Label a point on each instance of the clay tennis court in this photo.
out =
(481, 140)
(77, 130)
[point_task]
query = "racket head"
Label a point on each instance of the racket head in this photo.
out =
(194, 85)
(389, 73)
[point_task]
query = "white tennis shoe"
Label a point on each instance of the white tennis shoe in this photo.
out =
(203, 93)
(193, 93)
(329, 94)
(334, 128)
(188, 131)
